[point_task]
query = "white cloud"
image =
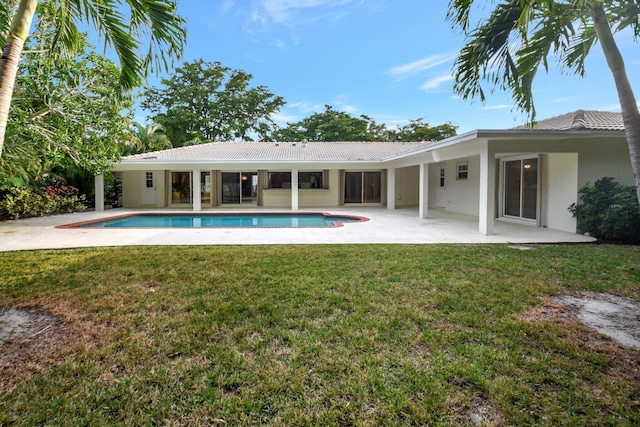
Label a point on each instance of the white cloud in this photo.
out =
(436, 82)
(341, 105)
(226, 5)
(417, 67)
(282, 119)
(306, 107)
(287, 11)
(497, 107)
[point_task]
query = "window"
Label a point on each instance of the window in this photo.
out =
(462, 170)
(279, 179)
(310, 180)
(149, 179)
(442, 177)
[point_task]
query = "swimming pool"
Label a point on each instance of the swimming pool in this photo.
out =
(219, 219)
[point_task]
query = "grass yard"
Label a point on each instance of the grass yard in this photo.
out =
(316, 335)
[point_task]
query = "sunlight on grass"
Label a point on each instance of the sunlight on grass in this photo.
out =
(324, 335)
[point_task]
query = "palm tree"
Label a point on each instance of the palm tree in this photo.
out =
(145, 139)
(507, 49)
(153, 22)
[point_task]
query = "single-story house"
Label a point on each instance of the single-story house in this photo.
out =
(530, 176)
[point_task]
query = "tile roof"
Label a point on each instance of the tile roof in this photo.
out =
(283, 151)
(581, 120)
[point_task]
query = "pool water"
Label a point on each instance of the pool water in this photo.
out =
(204, 220)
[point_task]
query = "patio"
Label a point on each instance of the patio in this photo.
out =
(401, 226)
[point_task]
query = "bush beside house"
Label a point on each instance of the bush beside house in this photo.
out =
(52, 199)
(609, 211)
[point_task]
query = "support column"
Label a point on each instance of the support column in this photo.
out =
(486, 211)
(99, 193)
(424, 191)
(294, 189)
(391, 189)
(196, 190)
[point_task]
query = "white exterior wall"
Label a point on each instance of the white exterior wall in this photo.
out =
(562, 190)
(407, 187)
(605, 159)
(461, 196)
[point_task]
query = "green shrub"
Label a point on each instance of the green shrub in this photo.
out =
(26, 202)
(608, 210)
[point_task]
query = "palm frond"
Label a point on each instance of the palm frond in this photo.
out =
(625, 14)
(5, 20)
(487, 55)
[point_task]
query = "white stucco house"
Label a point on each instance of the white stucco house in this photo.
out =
(530, 176)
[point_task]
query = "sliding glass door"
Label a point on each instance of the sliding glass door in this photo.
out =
(521, 188)
(363, 187)
(239, 187)
(181, 187)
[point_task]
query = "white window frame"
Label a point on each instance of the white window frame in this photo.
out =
(462, 171)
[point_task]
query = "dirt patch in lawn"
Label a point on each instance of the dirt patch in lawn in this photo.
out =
(611, 315)
(34, 337)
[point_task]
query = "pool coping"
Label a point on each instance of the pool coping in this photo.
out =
(385, 226)
(87, 223)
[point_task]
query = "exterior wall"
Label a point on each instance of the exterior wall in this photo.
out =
(561, 190)
(307, 198)
(461, 196)
(606, 158)
(132, 188)
(407, 187)
(276, 198)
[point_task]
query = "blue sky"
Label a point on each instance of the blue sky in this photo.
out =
(389, 59)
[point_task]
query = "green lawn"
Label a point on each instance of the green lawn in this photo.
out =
(317, 335)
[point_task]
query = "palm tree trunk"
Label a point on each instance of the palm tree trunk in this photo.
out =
(11, 59)
(628, 103)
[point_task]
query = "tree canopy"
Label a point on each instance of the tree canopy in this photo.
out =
(205, 101)
(332, 125)
(146, 35)
(67, 112)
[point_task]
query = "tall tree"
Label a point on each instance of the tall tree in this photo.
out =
(330, 125)
(145, 139)
(145, 34)
(507, 48)
(417, 130)
(205, 101)
(66, 112)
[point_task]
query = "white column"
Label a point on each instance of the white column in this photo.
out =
(197, 201)
(391, 188)
(424, 190)
(294, 189)
(99, 192)
(486, 209)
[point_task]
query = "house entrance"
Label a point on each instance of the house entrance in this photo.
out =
(149, 188)
(521, 189)
(239, 188)
(363, 187)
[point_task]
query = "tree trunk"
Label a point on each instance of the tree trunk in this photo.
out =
(11, 59)
(628, 104)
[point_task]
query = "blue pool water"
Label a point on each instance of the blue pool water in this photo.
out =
(203, 220)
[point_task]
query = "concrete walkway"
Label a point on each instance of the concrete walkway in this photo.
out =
(384, 226)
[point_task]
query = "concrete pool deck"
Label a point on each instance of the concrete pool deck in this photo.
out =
(384, 226)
